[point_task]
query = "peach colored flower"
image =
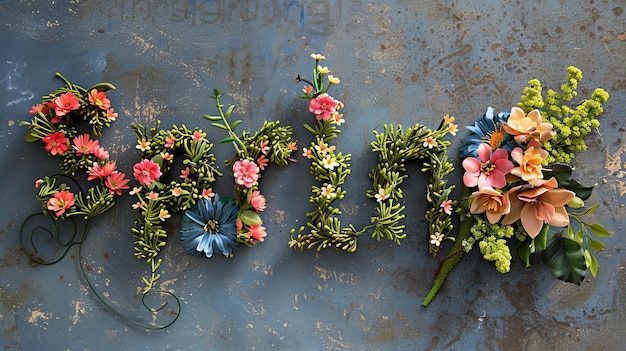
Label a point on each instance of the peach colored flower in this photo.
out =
(257, 233)
(262, 161)
(258, 201)
(264, 147)
(447, 207)
(429, 142)
(447, 119)
(292, 146)
(65, 103)
(529, 161)
(169, 141)
(538, 202)
(207, 193)
(307, 152)
(101, 153)
(177, 191)
(491, 201)
(307, 89)
(111, 114)
(38, 183)
(198, 135)
(99, 98)
(487, 170)
(153, 196)
(526, 127)
(60, 202)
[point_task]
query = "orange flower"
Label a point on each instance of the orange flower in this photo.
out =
(525, 127)
(537, 202)
(529, 162)
(491, 201)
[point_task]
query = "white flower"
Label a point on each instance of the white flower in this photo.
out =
(328, 191)
(382, 195)
(330, 162)
(435, 239)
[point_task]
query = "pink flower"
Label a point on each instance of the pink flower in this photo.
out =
(307, 89)
(84, 145)
(100, 171)
(323, 107)
(116, 183)
(262, 161)
(447, 207)
(198, 135)
(38, 108)
(169, 141)
(257, 201)
(153, 196)
(136, 205)
(167, 156)
(264, 147)
(60, 202)
(99, 98)
(246, 173)
(56, 143)
(207, 193)
(65, 103)
(490, 170)
(307, 153)
(146, 172)
(38, 183)
(184, 173)
(257, 233)
(101, 153)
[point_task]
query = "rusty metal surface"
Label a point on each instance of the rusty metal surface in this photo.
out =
(399, 62)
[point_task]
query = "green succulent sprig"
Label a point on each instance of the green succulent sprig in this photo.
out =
(271, 143)
(328, 167)
(159, 199)
(396, 146)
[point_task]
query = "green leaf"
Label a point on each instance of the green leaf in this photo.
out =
(596, 245)
(250, 217)
(591, 262)
(219, 125)
(216, 93)
(212, 118)
(565, 258)
(590, 210)
(229, 110)
(227, 140)
(29, 137)
(524, 251)
(579, 236)
(541, 240)
(599, 230)
(562, 172)
(104, 86)
(582, 191)
(235, 124)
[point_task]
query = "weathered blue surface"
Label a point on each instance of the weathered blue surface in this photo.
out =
(399, 62)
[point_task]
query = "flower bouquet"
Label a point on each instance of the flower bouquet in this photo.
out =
(519, 185)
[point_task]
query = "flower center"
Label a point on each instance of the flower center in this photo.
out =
(496, 138)
(212, 226)
(487, 168)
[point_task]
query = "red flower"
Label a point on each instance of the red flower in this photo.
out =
(146, 172)
(84, 145)
(65, 103)
(56, 143)
(323, 107)
(116, 183)
(101, 153)
(99, 98)
(60, 202)
(257, 233)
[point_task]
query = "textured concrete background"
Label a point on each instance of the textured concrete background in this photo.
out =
(399, 62)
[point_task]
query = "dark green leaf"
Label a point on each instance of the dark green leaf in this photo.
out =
(216, 93)
(249, 217)
(562, 173)
(102, 87)
(599, 230)
(541, 240)
(565, 258)
(582, 191)
(227, 140)
(524, 251)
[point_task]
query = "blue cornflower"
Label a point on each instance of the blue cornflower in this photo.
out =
(488, 130)
(209, 226)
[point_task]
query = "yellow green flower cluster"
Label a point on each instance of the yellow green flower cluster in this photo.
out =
(571, 124)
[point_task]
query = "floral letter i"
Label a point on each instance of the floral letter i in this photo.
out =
(327, 167)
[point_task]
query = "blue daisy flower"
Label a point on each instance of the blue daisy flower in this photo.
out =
(483, 131)
(210, 226)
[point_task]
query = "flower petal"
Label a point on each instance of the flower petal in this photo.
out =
(532, 225)
(560, 217)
